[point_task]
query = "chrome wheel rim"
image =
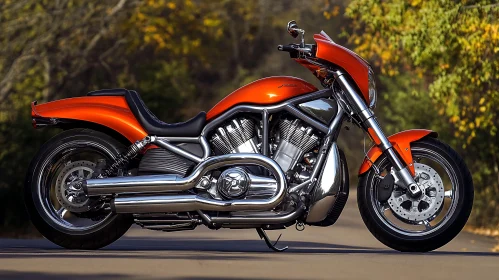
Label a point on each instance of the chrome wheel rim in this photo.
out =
(50, 175)
(448, 194)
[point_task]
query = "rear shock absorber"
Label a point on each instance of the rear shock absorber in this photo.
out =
(123, 159)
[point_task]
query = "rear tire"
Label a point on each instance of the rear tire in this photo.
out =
(104, 232)
(433, 239)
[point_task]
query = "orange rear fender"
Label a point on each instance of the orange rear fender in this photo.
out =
(110, 111)
(401, 142)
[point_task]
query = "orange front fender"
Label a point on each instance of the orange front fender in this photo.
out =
(110, 111)
(401, 142)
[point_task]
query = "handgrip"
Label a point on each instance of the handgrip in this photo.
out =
(286, 48)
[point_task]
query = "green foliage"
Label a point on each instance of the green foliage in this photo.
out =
(450, 46)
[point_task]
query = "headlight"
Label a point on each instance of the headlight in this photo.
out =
(372, 90)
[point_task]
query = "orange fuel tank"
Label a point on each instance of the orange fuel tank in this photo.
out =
(265, 91)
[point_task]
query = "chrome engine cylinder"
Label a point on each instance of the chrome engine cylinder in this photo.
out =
(295, 141)
(238, 136)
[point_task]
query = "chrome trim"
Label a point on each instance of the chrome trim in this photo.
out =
(169, 183)
(322, 109)
(328, 186)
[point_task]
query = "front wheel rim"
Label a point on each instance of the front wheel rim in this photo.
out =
(432, 224)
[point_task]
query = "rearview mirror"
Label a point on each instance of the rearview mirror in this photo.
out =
(293, 28)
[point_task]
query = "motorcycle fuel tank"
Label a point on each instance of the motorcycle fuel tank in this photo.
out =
(265, 91)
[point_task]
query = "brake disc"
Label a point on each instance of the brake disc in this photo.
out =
(69, 192)
(425, 207)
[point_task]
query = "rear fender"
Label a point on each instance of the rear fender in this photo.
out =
(109, 111)
(401, 142)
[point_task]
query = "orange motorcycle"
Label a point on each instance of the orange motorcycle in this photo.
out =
(265, 157)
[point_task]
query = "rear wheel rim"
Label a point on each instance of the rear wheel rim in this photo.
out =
(431, 224)
(53, 211)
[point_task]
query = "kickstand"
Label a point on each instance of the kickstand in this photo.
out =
(264, 236)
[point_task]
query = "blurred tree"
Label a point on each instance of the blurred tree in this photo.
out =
(452, 47)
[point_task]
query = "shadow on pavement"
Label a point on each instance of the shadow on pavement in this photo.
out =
(138, 248)
(8, 274)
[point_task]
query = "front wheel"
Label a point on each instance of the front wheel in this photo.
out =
(427, 222)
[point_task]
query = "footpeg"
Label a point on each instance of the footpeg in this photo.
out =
(264, 236)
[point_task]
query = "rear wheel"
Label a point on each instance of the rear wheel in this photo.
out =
(427, 222)
(55, 200)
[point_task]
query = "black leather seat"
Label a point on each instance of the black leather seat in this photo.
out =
(150, 122)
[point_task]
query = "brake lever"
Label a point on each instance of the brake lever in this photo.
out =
(305, 50)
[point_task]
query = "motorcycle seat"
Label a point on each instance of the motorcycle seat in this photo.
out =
(151, 124)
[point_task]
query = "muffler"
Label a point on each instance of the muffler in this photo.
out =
(161, 204)
(132, 190)
(185, 203)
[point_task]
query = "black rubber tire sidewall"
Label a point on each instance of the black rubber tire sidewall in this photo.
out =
(435, 239)
(95, 238)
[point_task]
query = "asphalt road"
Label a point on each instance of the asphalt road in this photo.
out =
(345, 251)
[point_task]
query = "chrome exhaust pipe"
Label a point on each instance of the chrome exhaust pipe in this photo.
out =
(186, 203)
(151, 204)
(174, 183)
(179, 203)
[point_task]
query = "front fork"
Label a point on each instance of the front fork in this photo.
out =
(370, 124)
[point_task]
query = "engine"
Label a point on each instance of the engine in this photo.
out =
(290, 144)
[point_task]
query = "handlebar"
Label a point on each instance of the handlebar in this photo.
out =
(296, 50)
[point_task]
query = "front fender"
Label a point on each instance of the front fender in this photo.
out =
(401, 142)
(110, 111)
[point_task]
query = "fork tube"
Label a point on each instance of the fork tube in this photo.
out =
(372, 127)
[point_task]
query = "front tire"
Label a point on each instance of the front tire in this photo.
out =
(63, 219)
(449, 217)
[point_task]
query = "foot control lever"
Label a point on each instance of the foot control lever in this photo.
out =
(264, 236)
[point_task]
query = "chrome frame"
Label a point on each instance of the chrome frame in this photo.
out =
(165, 143)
